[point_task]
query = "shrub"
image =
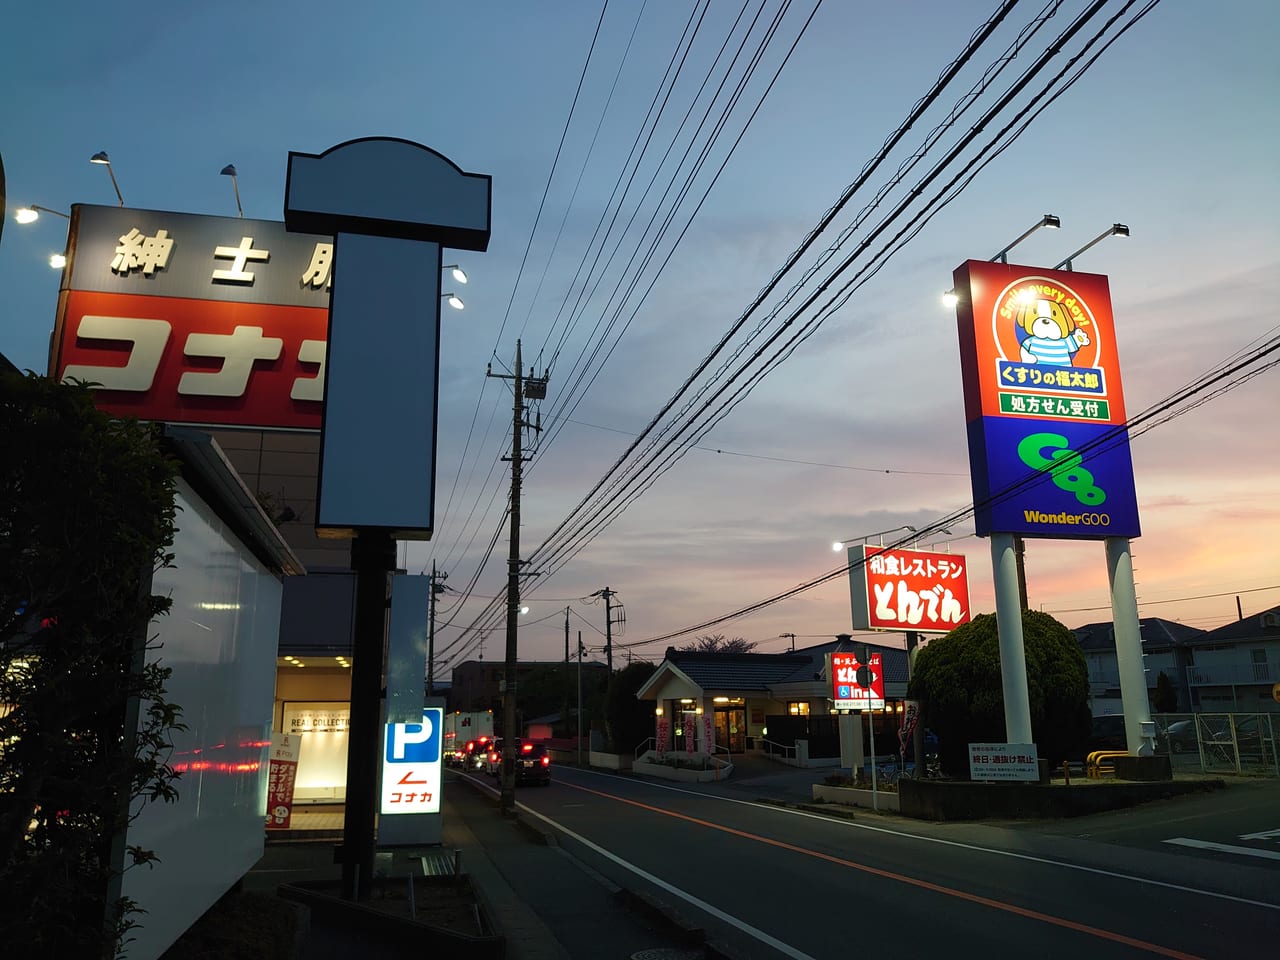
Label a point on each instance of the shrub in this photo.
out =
(958, 678)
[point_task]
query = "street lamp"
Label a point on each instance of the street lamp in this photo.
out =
(32, 213)
(230, 171)
(1115, 230)
(1048, 220)
(453, 299)
(839, 545)
(101, 158)
(458, 273)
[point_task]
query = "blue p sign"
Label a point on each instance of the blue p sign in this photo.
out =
(413, 742)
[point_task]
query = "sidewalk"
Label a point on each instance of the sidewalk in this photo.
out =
(547, 904)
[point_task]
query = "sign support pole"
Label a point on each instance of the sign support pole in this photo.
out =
(373, 556)
(875, 796)
(1013, 655)
(1124, 619)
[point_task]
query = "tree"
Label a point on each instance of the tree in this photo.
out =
(86, 514)
(958, 679)
(628, 721)
(1166, 697)
(716, 643)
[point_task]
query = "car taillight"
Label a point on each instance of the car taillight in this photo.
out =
(546, 761)
(493, 758)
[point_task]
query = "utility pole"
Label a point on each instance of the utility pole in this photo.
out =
(437, 587)
(579, 698)
(566, 636)
(793, 640)
(608, 626)
(537, 389)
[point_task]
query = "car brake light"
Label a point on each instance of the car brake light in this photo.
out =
(546, 761)
(527, 748)
(493, 758)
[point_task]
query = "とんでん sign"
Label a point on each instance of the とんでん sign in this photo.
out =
(899, 589)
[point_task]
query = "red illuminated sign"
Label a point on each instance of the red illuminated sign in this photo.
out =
(896, 589)
(847, 692)
(1038, 344)
(196, 361)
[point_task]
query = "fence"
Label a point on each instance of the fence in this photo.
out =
(1219, 742)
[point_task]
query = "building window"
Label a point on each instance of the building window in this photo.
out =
(798, 708)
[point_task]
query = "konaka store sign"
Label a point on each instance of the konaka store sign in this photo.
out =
(192, 319)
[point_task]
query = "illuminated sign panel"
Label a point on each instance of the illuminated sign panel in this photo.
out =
(411, 770)
(1048, 450)
(193, 319)
(847, 692)
(893, 589)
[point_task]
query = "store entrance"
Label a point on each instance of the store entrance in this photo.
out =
(731, 728)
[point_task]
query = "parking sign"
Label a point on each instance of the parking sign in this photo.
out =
(411, 771)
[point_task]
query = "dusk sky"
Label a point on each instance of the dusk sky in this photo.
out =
(1174, 131)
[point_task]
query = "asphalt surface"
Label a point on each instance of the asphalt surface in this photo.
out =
(546, 903)
(561, 899)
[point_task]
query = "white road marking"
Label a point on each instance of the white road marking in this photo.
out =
(783, 948)
(853, 825)
(1263, 835)
(1224, 848)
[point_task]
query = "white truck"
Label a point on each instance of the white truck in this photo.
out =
(461, 729)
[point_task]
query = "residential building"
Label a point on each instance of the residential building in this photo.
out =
(1166, 648)
(1236, 668)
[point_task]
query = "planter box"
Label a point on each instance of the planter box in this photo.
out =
(610, 761)
(852, 797)
(964, 800)
(683, 774)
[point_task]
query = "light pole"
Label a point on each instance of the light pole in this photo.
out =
(103, 160)
(1115, 230)
(1048, 220)
(839, 545)
(230, 171)
(31, 214)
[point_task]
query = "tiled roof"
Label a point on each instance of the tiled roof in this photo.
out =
(1250, 628)
(760, 671)
(1157, 634)
(739, 671)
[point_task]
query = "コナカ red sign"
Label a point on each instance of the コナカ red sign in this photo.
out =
(196, 361)
(896, 589)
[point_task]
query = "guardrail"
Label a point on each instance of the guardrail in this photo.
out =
(1102, 761)
(787, 753)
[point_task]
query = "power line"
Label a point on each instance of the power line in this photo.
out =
(1120, 432)
(1152, 603)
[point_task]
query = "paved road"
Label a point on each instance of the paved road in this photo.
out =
(1240, 826)
(774, 882)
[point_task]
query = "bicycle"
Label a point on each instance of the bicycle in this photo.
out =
(889, 771)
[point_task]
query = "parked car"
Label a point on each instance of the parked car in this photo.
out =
(533, 762)
(1178, 737)
(1249, 734)
(1108, 734)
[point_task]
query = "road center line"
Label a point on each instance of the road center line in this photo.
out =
(874, 871)
(1065, 865)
